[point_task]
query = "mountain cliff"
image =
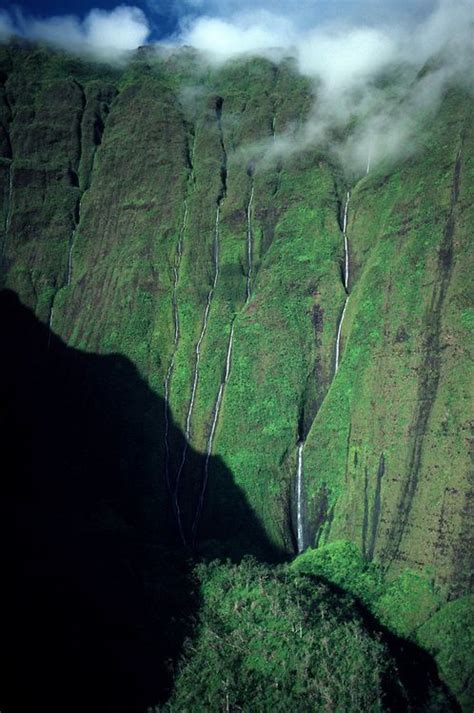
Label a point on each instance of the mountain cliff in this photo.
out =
(307, 326)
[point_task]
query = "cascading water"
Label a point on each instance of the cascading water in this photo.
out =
(249, 244)
(210, 441)
(369, 158)
(345, 281)
(338, 338)
(50, 321)
(187, 430)
(169, 373)
(299, 498)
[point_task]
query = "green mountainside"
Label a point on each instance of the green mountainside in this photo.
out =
(140, 223)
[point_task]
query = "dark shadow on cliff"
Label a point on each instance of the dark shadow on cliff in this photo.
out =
(100, 595)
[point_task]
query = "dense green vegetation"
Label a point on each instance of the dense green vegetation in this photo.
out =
(279, 638)
(112, 179)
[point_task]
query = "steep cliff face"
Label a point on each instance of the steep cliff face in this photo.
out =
(139, 218)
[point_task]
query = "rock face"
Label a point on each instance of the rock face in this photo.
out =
(138, 218)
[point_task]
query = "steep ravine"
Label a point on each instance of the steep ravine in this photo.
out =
(302, 526)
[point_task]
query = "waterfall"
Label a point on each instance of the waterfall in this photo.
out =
(346, 280)
(338, 338)
(369, 157)
(169, 373)
(299, 498)
(212, 432)
(346, 245)
(249, 244)
(187, 430)
(50, 322)
(273, 128)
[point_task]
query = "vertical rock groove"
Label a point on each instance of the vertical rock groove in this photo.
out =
(430, 369)
(217, 408)
(197, 358)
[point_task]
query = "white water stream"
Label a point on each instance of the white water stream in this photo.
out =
(187, 430)
(249, 244)
(169, 373)
(299, 498)
(212, 432)
(346, 282)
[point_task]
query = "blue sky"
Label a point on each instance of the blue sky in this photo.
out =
(164, 16)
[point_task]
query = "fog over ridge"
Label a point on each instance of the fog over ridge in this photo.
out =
(345, 56)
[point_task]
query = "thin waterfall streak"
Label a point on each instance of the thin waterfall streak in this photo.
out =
(346, 208)
(338, 339)
(196, 367)
(229, 354)
(50, 322)
(212, 432)
(299, 499)
(346, 263)
(169, 374)
(273, 128)
(346, 244)
(369, 157)
(249, 244)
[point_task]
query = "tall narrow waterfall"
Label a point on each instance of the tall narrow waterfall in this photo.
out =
(338, 338)
(197, 359)
(345, 280)
(212, 432)
(346, 246)
(169, 373)
(299, 498)
(50, 321)
(249, 244)
(369, 158)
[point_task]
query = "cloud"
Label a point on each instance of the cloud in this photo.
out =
(246, 33)
(343, 46)
(102, 33)
(346, 60)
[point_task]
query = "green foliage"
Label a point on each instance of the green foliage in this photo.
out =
(449, 636)
(267, 639)
(342, 563)
(407, 602)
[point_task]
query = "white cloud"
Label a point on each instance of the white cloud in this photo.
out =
(344, 59)
(249, 33)
(103, 33)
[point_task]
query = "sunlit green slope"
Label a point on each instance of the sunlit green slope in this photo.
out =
(139, 217)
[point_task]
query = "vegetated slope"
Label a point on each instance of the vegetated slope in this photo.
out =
(316, 649)
(140, 218)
